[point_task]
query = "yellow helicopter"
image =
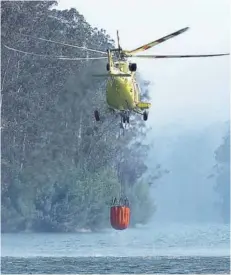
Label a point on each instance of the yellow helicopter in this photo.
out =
(122, 91)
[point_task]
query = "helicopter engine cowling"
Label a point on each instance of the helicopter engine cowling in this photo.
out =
(132, 67)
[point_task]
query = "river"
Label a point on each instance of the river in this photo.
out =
(162, 248)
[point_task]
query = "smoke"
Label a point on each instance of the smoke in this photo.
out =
(186, 194)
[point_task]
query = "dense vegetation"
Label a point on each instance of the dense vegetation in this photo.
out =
(60, 168)
(222, 168)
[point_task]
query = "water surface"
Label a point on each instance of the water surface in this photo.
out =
(162, 248)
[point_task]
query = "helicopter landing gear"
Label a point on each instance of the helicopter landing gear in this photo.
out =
(132, 67)
(145, 115)
(96, 114)
(125, 118)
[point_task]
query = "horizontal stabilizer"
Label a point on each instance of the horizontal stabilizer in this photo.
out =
(143, 105)
(114, 75)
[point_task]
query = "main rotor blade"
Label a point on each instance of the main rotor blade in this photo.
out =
(177, 56)
(64, 44)
(54, 57)
(156, 42)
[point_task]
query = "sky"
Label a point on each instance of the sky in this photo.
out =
(184, 91)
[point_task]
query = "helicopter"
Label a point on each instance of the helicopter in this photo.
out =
(122, 90)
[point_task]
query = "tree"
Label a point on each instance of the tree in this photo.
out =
(222, 168)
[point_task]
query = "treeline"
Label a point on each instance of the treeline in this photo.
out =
(59, 167)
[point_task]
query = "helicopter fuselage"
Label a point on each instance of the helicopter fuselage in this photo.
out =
(122, 93)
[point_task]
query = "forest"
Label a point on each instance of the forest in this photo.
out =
(60, 169)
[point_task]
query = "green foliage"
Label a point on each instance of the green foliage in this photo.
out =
(59, 167)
